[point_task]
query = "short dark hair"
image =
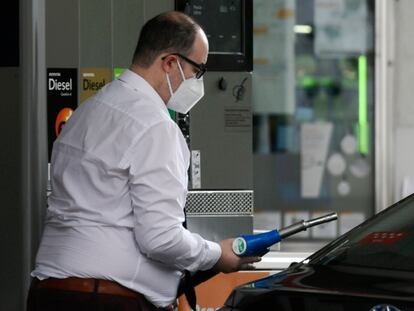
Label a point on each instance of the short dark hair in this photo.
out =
(170, 32)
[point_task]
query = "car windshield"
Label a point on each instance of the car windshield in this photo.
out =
(386, 241)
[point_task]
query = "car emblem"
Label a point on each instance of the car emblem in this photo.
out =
(384, 308)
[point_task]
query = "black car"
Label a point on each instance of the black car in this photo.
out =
(369, 268)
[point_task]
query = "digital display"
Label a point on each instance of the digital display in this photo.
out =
(222, 22)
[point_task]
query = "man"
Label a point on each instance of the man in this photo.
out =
(113, 238)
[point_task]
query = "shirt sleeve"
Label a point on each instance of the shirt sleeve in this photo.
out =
(158, 189)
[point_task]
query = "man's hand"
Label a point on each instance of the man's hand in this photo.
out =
(230, 262)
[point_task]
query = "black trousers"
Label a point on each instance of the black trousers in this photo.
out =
(46, 299)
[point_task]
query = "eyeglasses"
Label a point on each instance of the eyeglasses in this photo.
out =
(201, 67)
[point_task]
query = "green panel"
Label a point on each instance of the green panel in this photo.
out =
(118, 71)
(363, 134)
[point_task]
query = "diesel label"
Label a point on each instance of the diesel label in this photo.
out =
(56, 85)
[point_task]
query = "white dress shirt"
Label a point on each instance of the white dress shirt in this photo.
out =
(119, 185)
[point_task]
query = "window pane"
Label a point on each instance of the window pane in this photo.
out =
(313, 109)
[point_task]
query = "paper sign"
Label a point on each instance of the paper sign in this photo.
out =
(196, 169)
(315, 138)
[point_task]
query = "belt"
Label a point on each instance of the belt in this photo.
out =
(90, 285)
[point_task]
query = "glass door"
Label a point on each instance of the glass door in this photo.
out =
(313, 121)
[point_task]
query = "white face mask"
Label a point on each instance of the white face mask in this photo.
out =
(187, 95)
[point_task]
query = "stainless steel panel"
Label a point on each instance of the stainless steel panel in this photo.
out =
(221, 128)
(217, 228)
(217, 215)
(220, 203)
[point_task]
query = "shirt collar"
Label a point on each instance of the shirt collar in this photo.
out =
(138, 83)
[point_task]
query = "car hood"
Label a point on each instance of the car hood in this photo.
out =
(329, 281)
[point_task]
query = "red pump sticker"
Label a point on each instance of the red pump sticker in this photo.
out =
(383, 238)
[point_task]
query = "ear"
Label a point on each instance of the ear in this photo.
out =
(168, 62)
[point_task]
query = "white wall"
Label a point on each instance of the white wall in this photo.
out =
(403, 105)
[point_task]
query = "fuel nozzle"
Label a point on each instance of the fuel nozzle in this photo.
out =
(259, 244)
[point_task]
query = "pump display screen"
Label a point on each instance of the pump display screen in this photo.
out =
(228, 25)
(222, 23)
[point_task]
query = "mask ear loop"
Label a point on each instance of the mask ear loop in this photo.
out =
(168, 78)
(181, 70)
(169, 84)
